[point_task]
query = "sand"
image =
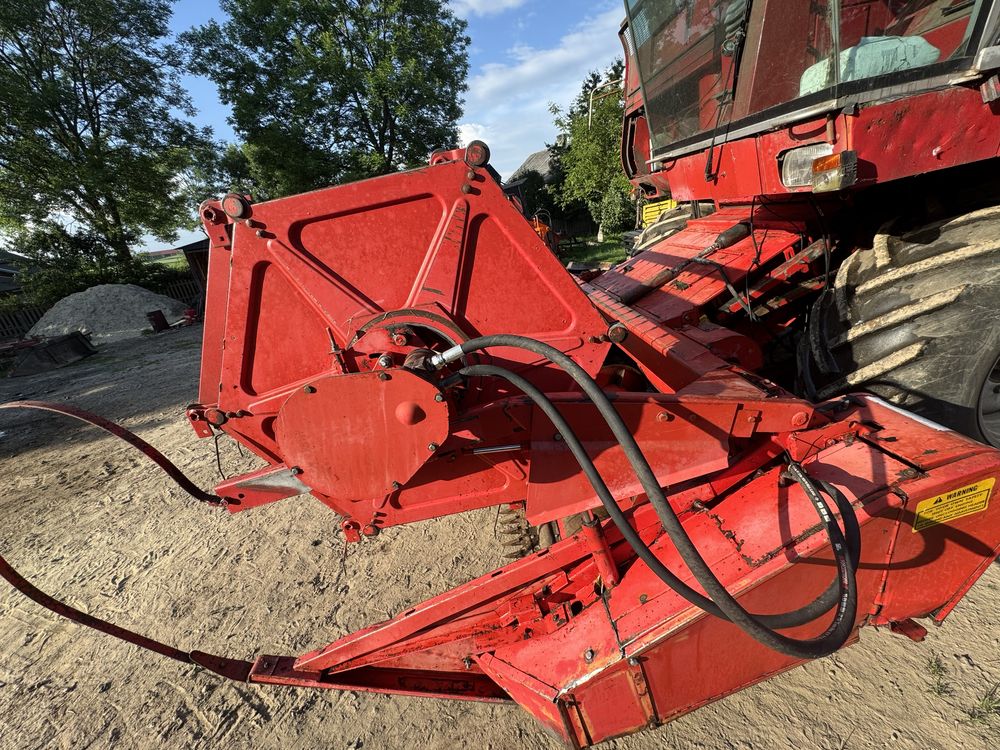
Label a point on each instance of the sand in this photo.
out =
(108, 312)
(90, 522)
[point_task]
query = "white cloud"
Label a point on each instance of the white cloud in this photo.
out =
(484, 7)
(507, 104)
(472, 131)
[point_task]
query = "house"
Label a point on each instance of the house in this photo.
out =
(11, 267)
(540, 162)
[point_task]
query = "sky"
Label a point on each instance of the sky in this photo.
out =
(525, 54)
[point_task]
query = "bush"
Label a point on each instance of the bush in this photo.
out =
(617, 209)
(60, 263)
(46, 286)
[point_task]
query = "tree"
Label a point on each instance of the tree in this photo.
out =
(590, 162)
(324, 91)
(89, 135)
(58, 262)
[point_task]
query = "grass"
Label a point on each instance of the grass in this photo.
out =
(589, 250)
(988, 706)
(939, 677)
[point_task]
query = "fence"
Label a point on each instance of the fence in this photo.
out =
(15, 323)
(186, 291)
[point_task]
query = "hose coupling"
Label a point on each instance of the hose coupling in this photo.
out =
(439, 360)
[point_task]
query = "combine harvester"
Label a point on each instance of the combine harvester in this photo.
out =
(406, 348)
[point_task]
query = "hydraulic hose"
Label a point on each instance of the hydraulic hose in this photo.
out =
(839, 630)
(819, 606)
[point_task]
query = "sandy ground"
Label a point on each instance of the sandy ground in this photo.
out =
(90, 522)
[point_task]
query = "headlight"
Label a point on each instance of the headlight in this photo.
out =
(797, 163)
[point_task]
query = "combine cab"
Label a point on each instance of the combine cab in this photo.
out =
(407, 348)
(857, 142)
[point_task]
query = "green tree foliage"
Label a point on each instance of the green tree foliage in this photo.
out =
(89, 131)
(590, 162)
(617, 207)
(324, 91)
(59, 262)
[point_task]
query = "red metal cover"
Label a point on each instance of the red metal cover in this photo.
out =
(353, 437)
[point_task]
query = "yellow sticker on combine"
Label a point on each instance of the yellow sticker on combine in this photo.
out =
(964, 501)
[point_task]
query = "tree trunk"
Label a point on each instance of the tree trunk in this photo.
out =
(119, 246)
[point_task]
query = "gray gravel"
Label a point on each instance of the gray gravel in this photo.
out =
(108, 312)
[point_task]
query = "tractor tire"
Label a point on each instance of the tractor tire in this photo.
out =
(668, 223)
(916, 321)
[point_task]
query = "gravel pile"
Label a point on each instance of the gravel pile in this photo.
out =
(108, 312)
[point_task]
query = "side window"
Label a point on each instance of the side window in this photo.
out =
(878, 37)
(807, 47)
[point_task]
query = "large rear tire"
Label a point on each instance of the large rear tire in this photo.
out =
(916, 320)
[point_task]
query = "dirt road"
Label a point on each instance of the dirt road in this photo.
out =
(91, 523)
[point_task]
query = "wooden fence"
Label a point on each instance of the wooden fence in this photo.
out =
(186, 291)
(15, 323)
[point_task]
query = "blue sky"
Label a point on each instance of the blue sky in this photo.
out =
(524, 55)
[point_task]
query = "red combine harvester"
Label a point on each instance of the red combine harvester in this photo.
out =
(406, 348)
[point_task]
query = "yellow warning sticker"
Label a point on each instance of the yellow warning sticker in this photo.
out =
(964, 501)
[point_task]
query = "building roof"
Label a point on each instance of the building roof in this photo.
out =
(540, 161)
(8, 281)
(199, 244)
(11, 260)
(11, 265)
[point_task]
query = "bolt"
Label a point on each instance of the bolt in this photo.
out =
(295, 470)
(384, 376)
(617, 333)
(633, 662)
(643, 598)
(396, 485)
(309, 389)
(467, 662)
(399, 339)
(439, 397)
(588, 655)
(800, 419)
(466, 188)
(664, 416)
(594, 339)
(432, 447)
(260, 232)
(470, 175)
(385, 361)
(557, 437)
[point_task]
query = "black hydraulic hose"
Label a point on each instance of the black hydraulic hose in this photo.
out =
(807, 613)
(842, 625)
